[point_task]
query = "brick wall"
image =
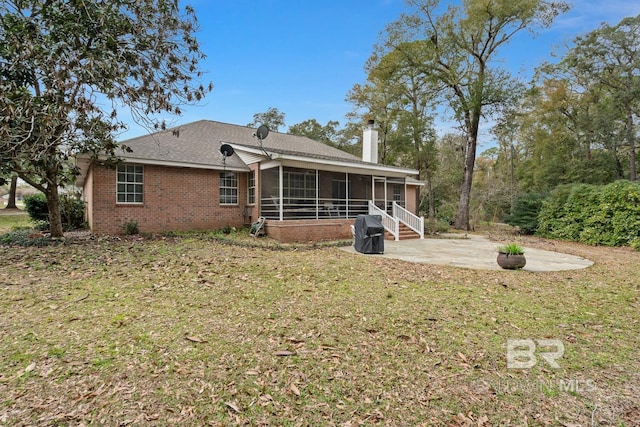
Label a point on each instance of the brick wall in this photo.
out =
(413, 192)
(175, 199)
(304, 231)
(183, 199)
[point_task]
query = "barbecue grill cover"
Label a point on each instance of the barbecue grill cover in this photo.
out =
(369, 234)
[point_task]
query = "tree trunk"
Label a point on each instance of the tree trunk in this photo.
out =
(431, 198)
(462, 215)
(55, 218)
(632, 146)
(11, 202)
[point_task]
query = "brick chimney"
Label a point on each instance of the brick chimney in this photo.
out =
(370, 143)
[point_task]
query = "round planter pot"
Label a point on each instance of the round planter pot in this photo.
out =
(511, 262)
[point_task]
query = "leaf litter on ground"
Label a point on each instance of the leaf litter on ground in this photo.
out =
(190, 330)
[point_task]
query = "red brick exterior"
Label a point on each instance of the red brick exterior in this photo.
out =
(175, 199)
(185, 199)
(305, 231)
(412, 203)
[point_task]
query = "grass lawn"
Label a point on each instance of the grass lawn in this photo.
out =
(195, 331)
(10, 220)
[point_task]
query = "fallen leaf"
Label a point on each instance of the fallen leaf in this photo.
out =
(483, 420)
(294, 389)
(195, 339)
(30, 368)
(283, 353)
(233, 406)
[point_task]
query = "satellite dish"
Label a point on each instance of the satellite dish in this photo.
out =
(226, 150)
(262, 132)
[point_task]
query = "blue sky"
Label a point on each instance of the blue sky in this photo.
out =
(303, 56)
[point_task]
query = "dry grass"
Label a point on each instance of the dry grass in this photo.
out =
(190, 331)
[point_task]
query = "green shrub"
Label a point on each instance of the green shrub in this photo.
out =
(524, 212)
(36, 207)
(71, 211)
(598, 215)
(438, 226)
(24, 237)
(130, 228)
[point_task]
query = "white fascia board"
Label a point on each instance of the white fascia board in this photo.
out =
(185, 164)
(270, 164)
(371, 168)
(179, 164)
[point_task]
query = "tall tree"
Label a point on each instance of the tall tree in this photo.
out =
(566, 135)
(414, 101)
(611, 56)
(456, 49)
(450, 149)
(376, 100)
(272, 118)
(62, 62)
(328, 134)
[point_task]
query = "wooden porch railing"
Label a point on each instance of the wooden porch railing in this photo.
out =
(390, 223)
(412, 221)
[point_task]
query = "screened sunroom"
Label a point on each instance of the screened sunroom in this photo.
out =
(300, 193)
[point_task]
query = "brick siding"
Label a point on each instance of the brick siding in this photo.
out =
(186, 199)
(175, 199)
(304, 231)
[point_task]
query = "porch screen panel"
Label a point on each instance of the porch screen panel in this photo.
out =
(299, 193)
(359, 187)
(270, 193)
(332, 196)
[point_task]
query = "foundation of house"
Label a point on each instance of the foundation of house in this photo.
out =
(304, 231)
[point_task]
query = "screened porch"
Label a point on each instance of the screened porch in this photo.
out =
(297, 193)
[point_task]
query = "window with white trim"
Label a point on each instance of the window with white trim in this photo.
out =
(251, 188)
(228, 188)
(130, 184)
(299, 185)
(397, 192)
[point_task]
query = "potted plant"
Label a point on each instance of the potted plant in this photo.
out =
(511, 257)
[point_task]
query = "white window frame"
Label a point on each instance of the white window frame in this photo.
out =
(130, 184)
(228, 189)
(251, 188)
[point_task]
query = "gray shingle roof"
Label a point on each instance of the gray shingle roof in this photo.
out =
(198, 143)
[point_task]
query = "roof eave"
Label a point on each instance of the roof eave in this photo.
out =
(363, 166)
(83, 162)
(334, 162)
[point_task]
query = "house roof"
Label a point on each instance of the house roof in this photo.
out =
(197, 144)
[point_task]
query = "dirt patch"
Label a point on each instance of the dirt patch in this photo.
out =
(5, 211)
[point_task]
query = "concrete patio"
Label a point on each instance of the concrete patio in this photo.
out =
(475, 252)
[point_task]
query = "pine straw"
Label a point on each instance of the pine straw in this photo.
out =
(189, 331)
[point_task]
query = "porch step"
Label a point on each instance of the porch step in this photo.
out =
(405, 233)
